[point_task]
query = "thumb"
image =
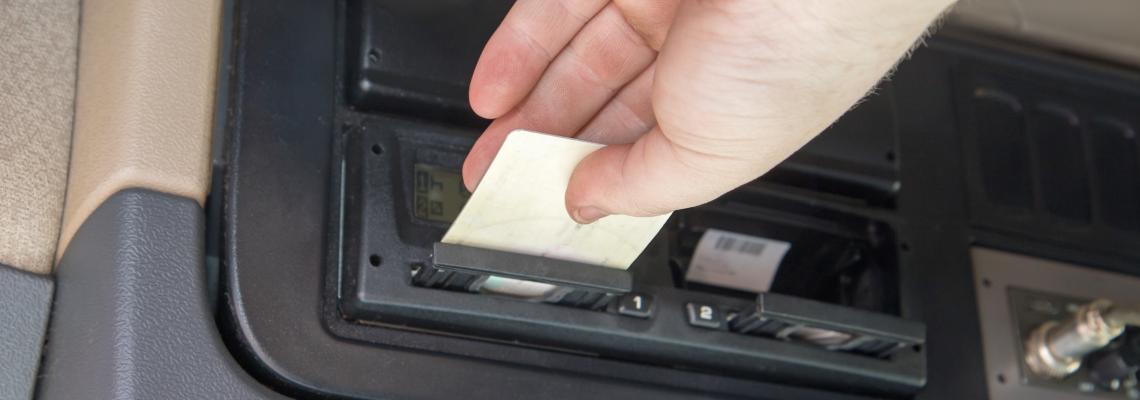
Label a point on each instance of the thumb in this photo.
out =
(652, 176)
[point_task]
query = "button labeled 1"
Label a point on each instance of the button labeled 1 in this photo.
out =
(704, 315)
(636, 305)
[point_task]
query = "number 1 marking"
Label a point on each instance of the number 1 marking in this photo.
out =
(637, 302)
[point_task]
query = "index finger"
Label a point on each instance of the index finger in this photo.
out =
(527, 40)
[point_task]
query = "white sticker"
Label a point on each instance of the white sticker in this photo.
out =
(736, 261)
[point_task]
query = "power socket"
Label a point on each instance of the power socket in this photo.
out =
(1029, 309)
(1016, 294)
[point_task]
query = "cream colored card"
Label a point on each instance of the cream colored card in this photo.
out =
(520, 207)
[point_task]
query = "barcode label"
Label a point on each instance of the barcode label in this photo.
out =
(734, 244)
(736, 260)
(725, 243)
(753, 248)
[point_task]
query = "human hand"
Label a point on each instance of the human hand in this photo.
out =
(693, 97)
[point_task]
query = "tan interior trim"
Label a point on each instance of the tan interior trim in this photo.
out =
(38, 42)
(144, 102)
(1103, 28)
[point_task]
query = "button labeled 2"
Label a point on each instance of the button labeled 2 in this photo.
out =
(704, 315)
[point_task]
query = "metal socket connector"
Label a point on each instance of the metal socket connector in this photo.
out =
(1055, 349)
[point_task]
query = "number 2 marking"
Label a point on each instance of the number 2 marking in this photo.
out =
(706, 312)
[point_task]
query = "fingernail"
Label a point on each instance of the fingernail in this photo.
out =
(589, 214)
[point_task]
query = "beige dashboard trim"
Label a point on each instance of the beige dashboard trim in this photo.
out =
(38, 42)
(1103, 28)
(144, 102)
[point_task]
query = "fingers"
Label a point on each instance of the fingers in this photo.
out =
(601, 59)
(705, 142)
(481, 154)
(739, 86)
(649, 177)
(628, 116)
(530, 36)
(650, 18)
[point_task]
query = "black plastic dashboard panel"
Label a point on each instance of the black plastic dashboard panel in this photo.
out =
(291, 118)
(1053, 154)
(426, 77)
(383, 242)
